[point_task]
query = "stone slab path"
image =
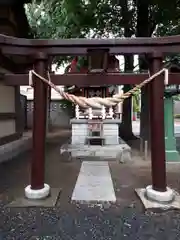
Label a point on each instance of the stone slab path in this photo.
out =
(94, 183)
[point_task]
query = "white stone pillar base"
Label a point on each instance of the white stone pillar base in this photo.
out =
(161, 197)
(38, 193)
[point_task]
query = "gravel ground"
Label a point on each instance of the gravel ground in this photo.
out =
(124, 220)
(88, 223)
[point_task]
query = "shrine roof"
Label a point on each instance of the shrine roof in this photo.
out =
(22, 30)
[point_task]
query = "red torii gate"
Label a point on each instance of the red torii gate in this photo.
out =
(40, 50)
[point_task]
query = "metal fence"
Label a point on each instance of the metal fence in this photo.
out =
(59, 115)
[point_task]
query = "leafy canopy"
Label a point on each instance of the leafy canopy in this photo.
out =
(103, 18)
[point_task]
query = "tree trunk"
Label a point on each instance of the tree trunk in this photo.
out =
(144, 29)
(144, 115)
(125, 128)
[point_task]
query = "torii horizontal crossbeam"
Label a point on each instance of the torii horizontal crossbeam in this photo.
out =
(69, 47)
(84, 80)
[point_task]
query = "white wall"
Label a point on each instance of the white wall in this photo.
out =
(7, 105)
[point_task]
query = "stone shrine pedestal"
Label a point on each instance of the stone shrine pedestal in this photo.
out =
(113, 147)
(110, 131)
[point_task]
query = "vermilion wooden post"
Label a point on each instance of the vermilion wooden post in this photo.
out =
(49, 107)
(39, 123)
(157, 126)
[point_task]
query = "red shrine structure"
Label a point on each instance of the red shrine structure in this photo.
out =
(98, 61)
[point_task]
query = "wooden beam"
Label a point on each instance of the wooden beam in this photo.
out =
(91, 43)
(7, 115)
(74, 47)
(10, 138)
(12, 66)
(68, 51)
(18, 110)
(8, 64)
(84, 80)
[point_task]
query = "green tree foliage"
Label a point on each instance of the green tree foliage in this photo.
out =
(65, 19)
(103, 18)
(136, 99)
(80, 18)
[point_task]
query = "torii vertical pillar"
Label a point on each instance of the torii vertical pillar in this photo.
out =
(38, 189)
(48, 109)
(158, 191)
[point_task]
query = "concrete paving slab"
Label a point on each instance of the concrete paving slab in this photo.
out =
(155, 205)
(51, 201)
(94, 183)
(10, 150)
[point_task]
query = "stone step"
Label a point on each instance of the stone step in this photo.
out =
(120, 152)
(94, 137)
